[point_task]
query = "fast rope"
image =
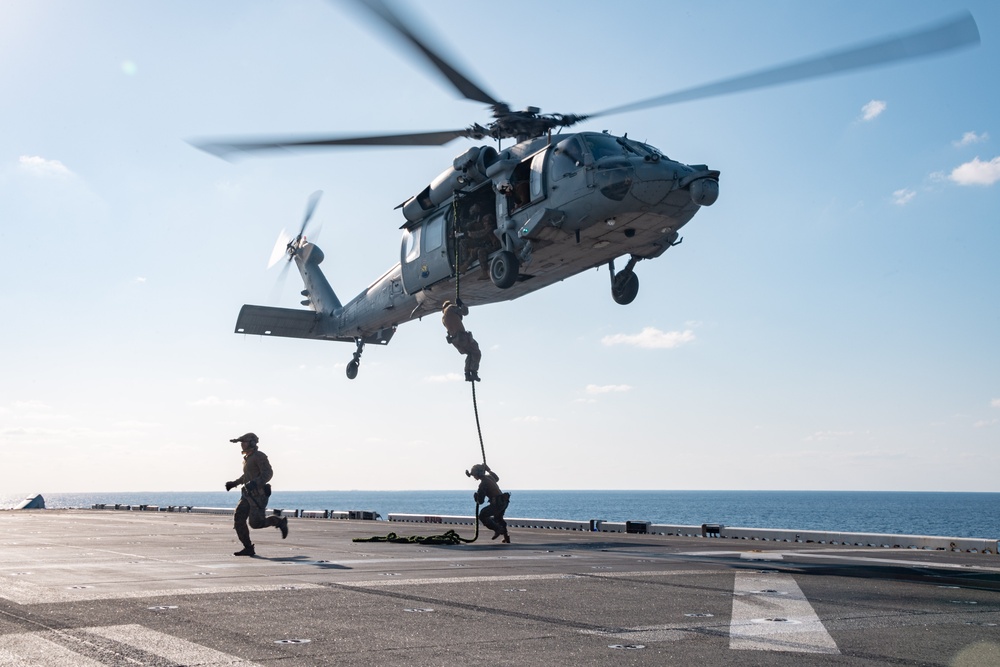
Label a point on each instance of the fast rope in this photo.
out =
(458, 278)
(450, 537)
(456, 233)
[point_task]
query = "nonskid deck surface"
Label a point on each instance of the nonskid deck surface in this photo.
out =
(81, 587)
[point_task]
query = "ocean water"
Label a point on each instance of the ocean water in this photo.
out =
(908, 513)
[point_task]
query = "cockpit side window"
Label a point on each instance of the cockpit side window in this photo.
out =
(567, 157)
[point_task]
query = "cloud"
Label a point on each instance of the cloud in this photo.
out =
(872, 110)
(995, 403)
(819, 436)
(971, 138)
(903, 196)
(448, 377)
(39, 166)
(984, 423)
(651, 338)
(216, 402)
(977, 172)
(607, 388)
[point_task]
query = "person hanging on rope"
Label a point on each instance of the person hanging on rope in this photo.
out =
(451, 316)
(491, 516)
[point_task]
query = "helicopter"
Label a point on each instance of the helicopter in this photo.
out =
(501, 222)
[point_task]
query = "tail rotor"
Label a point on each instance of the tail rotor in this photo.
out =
(288, 246)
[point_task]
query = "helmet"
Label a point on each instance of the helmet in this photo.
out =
(247, 437)
(445, 305)
(478, 470)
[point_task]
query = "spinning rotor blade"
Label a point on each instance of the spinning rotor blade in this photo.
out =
(286, 243)
(280, 248)
(226, 149)
(462, 83)
(938, 38)
(279, 284)
(310, 209)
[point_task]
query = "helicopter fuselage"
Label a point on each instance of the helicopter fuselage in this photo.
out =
(557, 206)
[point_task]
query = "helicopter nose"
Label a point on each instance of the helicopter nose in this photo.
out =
(653, 182)
(704, 191)
(614, 178)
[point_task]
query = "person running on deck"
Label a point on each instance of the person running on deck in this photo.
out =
(251, 509)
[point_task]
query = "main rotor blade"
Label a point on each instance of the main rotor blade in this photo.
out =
(462, 83)
(226, 149)
(937, 38)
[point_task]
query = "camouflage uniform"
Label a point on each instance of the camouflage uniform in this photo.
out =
(482, 241)
(451, 317)
(252, 507)
(491, 516)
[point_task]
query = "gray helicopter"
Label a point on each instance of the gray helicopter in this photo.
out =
(504, 222)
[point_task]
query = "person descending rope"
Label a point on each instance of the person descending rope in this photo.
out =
(491, 516)
(451, 317)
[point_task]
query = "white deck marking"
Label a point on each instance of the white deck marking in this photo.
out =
(31, 649)
(770, 613)
(39, 649)
(25, 593)
(166, 646)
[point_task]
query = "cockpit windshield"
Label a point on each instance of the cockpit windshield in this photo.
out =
(606, 145)
(642, 149)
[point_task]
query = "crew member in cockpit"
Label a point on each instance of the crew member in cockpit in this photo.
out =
(451, 317)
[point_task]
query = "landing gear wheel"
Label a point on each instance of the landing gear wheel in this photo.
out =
(625, 287)
(504, 269)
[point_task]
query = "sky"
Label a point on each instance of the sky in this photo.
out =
(831, 323)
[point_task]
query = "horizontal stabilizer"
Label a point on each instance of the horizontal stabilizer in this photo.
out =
(286, 322)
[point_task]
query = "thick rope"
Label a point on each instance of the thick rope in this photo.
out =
(479, 430)
(448, 538)
(458, 279)
(455, 232)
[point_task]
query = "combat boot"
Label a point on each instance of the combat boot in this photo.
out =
(283, 527)
(245, 551)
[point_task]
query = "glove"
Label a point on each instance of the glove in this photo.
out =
(250, 486)
(459, 302)
(230, 485)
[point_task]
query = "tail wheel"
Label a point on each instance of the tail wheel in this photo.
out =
(504, 269)
(625, 287)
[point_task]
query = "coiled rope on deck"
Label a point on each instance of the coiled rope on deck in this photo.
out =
(448, 538)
